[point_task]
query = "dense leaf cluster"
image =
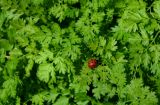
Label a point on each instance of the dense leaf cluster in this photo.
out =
(45, 46)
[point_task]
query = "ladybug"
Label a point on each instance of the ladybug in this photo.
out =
(92, 63)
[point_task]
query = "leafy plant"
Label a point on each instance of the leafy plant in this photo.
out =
(45, 46)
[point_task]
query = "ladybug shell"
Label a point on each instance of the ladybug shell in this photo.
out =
(92, 63)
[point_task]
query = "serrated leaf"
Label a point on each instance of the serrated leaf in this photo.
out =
(59, 11)
(18, 101)
(62, 101)
(97, 16)
(46, 30)
(38, 99)
(144, 34)
(44, 71)
(100, 90)
(52, 95)
(5, 44)
(140, 94)
(112, 44)
(102, 41)
(9, 88)
(11, 65)
(156, 8)
(16, 52)
(29, 67)
(60, 65)
(43, 56)
(37, 2)
(146, 59)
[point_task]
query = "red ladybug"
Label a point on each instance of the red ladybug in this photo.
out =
(92, 63)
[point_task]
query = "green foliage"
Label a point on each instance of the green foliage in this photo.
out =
(45, 46)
